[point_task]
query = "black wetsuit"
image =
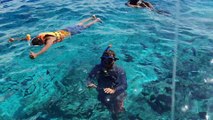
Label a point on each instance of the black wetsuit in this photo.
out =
(114, 78)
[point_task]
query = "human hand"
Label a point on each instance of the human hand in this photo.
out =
(91, 85)
(109, 90)
(33, 55)
(11, 40)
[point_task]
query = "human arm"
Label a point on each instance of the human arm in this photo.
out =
(15, 39)
(91, 77)
(91, 85)
(122, 86)
(44, 49)
(28, 37)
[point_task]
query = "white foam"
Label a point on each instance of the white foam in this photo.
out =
(185, 108)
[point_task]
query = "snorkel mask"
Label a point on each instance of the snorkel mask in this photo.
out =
(28, 37)
(106, 59)
(33, 41)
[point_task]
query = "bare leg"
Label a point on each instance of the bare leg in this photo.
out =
(93, 22)
(86, 20)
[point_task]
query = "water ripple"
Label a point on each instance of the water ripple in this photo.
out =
(142, 39)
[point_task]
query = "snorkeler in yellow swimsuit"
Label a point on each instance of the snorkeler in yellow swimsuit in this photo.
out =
(49, 38)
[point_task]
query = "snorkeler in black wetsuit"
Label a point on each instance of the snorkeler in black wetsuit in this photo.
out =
(140, 4)
(111, 83)
(144, 4)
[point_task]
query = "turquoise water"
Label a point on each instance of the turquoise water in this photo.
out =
(52, 86)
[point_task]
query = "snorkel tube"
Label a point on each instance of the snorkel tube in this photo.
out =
(107, 56)
(28, 37)
(107, 49)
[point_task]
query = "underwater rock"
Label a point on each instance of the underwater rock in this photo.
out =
(202, 115)
(36, 116)
(145, 63)
(200, 92)
(199, 95)
(29, 90)
(168, 90)
(128, 58)
(159, 55)
(211, 108)
(55, 110)
(48, 72)
(144, 93)
(160, 104)
(165, 99)
(143, 45)
(132, 117)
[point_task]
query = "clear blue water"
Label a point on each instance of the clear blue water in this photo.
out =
(53, 85)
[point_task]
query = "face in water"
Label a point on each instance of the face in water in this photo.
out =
(108, 61)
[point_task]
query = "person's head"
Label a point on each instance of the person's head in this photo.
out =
(108, 58)
(36, 41)
(133, 2)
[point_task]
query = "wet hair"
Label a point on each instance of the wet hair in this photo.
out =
(109, 53)
(133, 2)
(108, 58)
(37, 41)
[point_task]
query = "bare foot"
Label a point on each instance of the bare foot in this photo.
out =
(11, 39)
(99, 20)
